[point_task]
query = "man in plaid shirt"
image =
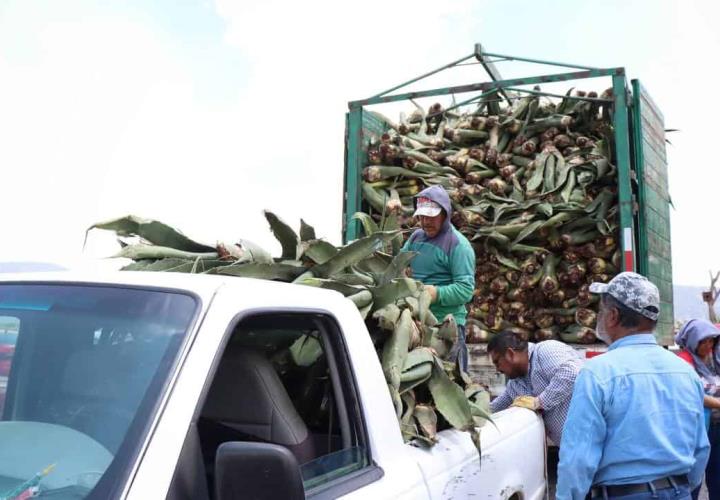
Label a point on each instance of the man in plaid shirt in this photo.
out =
(541, 376)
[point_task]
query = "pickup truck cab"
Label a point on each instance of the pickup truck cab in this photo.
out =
(164, 385)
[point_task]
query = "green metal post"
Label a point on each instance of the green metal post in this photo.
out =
(622, 154)
(642, 247)
(353, 171)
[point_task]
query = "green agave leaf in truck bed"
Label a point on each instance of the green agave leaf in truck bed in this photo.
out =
(417, 368)
(352, 254)
(176, 265)
(397, 267)
(395, 350)
(394, 291)
(139, 265)
(153, 231)
(368, 223)
(285, 235)
(140, 252)
(306, 350)
(331, 284)
(376, 264)
(450, 399)
(275, 272)
(307, 232)
(319, 251)
(387, 316)
(427, 421)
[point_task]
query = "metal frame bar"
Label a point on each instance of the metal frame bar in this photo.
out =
(622, 158)
(485, 86)
(352, 197)
(639, 171)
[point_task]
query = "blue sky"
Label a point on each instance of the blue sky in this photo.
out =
(203, 113)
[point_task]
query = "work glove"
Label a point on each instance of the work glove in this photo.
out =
(529, 402)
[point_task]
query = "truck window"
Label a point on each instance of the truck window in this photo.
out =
(9, 326)
(285, 379)
(87, 365)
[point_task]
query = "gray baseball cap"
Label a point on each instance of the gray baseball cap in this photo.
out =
(634, 291)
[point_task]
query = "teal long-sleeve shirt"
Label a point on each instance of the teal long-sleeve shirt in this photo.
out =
(447, 262)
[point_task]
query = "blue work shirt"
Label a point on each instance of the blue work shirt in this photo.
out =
(636, 415)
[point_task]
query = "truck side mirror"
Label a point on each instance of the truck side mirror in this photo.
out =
(257, 471)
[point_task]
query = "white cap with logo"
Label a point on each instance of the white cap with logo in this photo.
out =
(427, 207)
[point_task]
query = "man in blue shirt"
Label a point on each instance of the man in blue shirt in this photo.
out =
(635, 428)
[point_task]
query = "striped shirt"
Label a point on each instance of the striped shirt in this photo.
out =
(552, 369)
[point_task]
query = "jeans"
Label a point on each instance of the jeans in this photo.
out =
(679, 493)
(712, 471)
(460, 351)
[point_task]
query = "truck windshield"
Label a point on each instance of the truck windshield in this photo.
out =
(81, 371)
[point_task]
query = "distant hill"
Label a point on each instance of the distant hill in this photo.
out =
(29, 267)
(688, 304)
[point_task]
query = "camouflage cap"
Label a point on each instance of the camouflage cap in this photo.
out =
(634, 291)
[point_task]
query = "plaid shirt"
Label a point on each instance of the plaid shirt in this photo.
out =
(551, 377)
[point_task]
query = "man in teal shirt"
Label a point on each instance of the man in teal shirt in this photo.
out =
(445, 261)
(635, 428)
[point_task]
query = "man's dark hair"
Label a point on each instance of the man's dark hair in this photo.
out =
(628, 317)
(503, 341)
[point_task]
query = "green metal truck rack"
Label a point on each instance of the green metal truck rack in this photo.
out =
(640, 158)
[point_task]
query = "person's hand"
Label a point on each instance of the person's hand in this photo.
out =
(432, 290)
(529, 402)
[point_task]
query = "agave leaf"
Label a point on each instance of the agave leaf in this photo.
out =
(352, 254)
(425, 315)
(355, 278)
(152, 231)
(450, 399)
(252, 252)
(395, 350)
(448, 329)
(276, 272)
(171, 265)
(307, 232)
(138, 265)
(506, 261)
(369, 225)
(545, 208)
(306, 350)
(406, 417)
(319, 251)
(285, 235)
(362, 299)
(538, 175)
(397, 267)
(387, 317)
(376, 264)
(393, 291)
(418, 356)
(332, 284)
(142, 252)
(427, 420)
(415, 376)
(530, 229)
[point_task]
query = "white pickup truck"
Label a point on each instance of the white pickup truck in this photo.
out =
(162, 385)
